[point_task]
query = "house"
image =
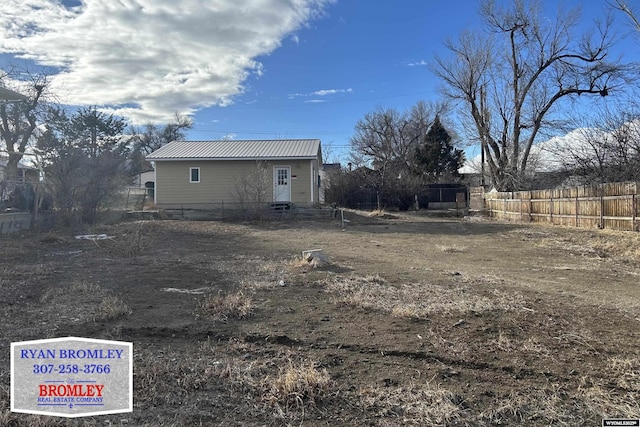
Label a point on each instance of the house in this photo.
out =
(9, 95)
(208, 174)
(26, 173)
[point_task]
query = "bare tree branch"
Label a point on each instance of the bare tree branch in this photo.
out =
(511, 77)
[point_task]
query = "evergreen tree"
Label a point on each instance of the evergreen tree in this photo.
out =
(437, 158)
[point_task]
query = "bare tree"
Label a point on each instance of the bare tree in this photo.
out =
(19, 120)
(510, 78)
(624, 7)
(387, 139)
(251, 191)
(602, 148)
(152, 137)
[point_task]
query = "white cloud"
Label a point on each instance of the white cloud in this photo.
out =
(421, 63)
(553, 154)
(331, 91)
(323, 92)
(147, 59)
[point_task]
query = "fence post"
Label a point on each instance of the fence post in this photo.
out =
(577, 210)
(601, 211)
(551, 210)
(634, 207)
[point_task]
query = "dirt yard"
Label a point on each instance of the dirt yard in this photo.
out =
(413, 321)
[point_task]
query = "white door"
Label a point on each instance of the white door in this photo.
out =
(282, 184)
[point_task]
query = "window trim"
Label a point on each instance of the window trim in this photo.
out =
(191, 175)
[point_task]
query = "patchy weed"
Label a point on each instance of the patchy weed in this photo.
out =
(297, 385)
(130, 241)
(418, 300)
(111, 308)
(452, 248)
(416, 404)
(225, 306)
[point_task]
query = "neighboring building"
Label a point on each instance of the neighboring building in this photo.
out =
(25, 173)
(144, 179)
(325, 177)
(206, 174)
(9, 95)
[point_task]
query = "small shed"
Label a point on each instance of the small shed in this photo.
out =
(209, 174)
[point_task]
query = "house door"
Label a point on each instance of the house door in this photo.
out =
(282, 184)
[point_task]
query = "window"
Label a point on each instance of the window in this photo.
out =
(283, 176)
(194, 175)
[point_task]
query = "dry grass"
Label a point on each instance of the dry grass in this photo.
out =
(53, 237)
(189, 378)
(89, 302)
(82, 287)
(557, 405)
(452, 248)
(504, 343)
(417, 300)
(287, 388)
(417, 404)
(26, 272)
(381, 213)
(535, 346)
(111, 308)
(626, 372)
(225, 306)
(256, 381)
(280, 383)
(599, 244)
(297, 385)
(608, 403)
(550, 406)
(621, 244)
(85, 287)
(254, 272)
(159, 374)
(130, 241)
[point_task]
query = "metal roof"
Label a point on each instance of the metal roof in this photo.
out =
(9, 95)
(238, 150)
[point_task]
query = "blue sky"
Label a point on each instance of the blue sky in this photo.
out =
(360, 55)
(370, 53)
(253, 69)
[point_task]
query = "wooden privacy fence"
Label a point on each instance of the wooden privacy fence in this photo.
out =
(612, 206)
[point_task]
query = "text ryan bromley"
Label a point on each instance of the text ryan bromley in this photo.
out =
(98, 353)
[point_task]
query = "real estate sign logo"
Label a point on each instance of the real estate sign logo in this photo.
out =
(71, 377)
